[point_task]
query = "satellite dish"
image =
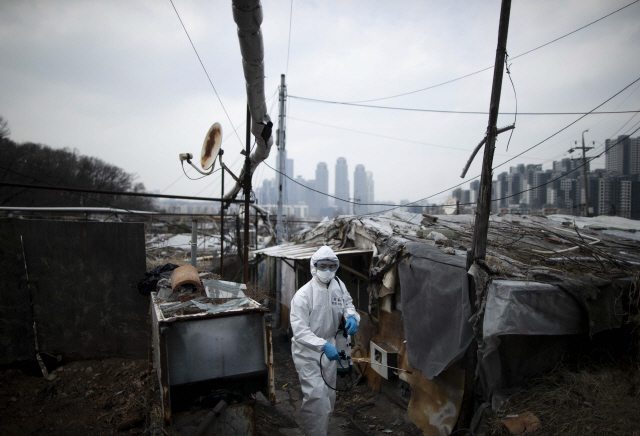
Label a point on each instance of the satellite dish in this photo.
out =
(211, 147)
(450, 206)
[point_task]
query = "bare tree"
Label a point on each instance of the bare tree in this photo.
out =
(4, 128)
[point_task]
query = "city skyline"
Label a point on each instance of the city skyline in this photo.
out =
(614, 190)
(300, 191)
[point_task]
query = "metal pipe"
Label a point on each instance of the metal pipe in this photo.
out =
(586, 179)
(247, 14)
(281, 170)
(479, 146)
(129, 194)
(194, 242)
(77, 209)
(222, 225)
(247, 196)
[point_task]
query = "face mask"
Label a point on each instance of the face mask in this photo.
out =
(325, 276)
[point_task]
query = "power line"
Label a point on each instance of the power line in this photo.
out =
(289, 43)
(568, 172)
(515, 96)
(438, 111)
(491, 67)
(205, 70)
(395, 138)
(78, 193)
(324, 193)
(570, 124)
(530, 148)
(465, 181)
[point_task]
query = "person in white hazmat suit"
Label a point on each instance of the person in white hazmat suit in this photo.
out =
(316, 309)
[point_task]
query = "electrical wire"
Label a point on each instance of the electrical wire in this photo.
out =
(399, 139)
(149, 216)
(201, 177)
(476, 177)
(570, 124)
(465, 181)
(289, 43)
(315, 100)
(396, 206)
(205, 70)
(515, 96)
(491, 67)
(174, 182)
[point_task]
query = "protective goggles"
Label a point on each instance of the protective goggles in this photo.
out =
(326, 266)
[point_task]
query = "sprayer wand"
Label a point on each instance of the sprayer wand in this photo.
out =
(355, 359)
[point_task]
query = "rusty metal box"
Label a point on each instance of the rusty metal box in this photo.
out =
(209, 343)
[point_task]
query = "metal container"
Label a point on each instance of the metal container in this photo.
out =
(206, 344)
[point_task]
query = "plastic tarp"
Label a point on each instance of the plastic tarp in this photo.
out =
(288, 288)
(435, 301)
(524, 308)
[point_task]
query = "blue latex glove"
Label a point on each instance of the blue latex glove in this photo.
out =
(331, 352)
(352, 326)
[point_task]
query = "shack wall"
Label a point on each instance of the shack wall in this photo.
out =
(82, 278)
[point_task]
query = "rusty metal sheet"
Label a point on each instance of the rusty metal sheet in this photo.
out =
(238, 340)
(435, 404)
(160, 357)
(269, 360)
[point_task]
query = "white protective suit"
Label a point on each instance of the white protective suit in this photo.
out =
(316, 309)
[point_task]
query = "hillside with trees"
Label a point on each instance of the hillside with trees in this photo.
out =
(39, 164)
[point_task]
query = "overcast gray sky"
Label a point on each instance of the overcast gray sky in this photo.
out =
(120, 81)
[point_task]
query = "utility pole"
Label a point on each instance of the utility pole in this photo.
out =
(280, 142)
(481, 227)
(247, 198)
(584, 172)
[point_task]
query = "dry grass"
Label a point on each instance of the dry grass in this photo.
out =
(599, 400)
(258, 293)
(153, 262)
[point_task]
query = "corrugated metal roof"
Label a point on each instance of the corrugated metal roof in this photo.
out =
(303, 251)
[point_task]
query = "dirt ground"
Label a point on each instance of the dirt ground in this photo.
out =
(120, 396)
(96, 397)
(382, 417)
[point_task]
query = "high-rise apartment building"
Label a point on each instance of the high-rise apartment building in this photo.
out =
(622, 155)
(360, 189)
(370, 189)
(342, 185)
(320, 202)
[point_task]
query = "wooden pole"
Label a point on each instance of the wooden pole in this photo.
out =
(481, 227)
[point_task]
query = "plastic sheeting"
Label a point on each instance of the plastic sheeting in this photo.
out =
(288, 286)
(436, 309)
(523, 308)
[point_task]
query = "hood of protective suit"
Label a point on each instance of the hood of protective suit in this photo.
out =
(323, 253)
